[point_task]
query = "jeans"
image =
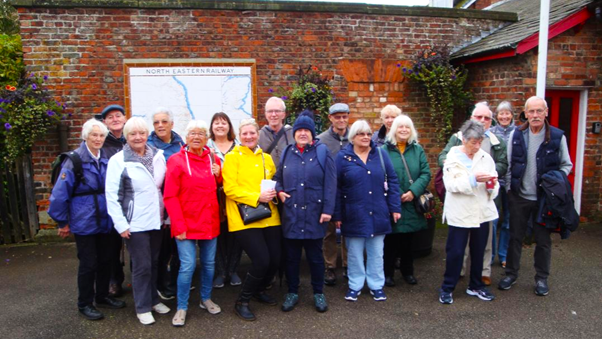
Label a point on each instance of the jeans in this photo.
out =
(94, 272)
(187, 253)
(144, 250)
(373, 272)
(505, 228)
(313, 254)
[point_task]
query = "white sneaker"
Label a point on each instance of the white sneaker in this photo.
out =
(146, 318)
(161, 308)
(210, 306)
(179, 319)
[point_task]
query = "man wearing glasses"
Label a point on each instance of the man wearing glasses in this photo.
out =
(497, 149)
(275, 136)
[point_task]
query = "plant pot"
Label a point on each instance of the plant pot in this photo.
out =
(422, 242)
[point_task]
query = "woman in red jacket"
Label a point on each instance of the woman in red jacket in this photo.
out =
(190, 197)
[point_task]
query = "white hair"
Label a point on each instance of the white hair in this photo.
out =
(246, 122)
(163, 110)
(533, 98)
(278, 100)
(360, 126)
(482, 104)
(402, 120)
(135, 123)
(196, 124)
(89, 126)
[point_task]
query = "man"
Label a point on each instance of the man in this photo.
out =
(114, 118)
(163, 137)
(275, 136)
(535, 148)
(336, 139)
(497, 149)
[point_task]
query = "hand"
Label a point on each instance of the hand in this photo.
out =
(125, 234)
(494, 179)
(482, 177)
(337, 224)
(283, 196)
(325, 218)
(407, 196)
(64, 232)
(396, 216)
(267, 196)
(215, 169)
(181, 236)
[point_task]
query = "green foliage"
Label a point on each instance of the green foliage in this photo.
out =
(9, 19)
(444, 85)
(27, 111)
(11, 59)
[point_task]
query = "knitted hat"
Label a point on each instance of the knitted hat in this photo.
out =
(338, 108)
(305, 120)
(111, 108)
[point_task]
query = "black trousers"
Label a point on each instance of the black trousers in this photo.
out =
(262, 245)
(228, 253)
(399, 245)
(117, 276)
(521, 211)
(169, 263)
(94, 272)
(315, 258)
(144, 250)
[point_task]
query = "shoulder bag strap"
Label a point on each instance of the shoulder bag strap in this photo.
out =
(275, 141)
(263, 161)
(382, 162)
(405, 164)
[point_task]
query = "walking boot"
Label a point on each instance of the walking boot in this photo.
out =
(242, 304)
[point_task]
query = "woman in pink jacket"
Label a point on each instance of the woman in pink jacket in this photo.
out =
(193, 176)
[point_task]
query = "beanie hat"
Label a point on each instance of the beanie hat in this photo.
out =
(305, 120)
(111, 108)
(338, 108)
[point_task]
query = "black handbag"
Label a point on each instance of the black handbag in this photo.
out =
(250, 214)
(424, 203)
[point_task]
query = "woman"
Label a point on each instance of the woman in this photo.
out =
(402, 145)
(191, 184)
(229, 251)
(505, 119)
(470, 179)
(134, 179)
(79, 206)
(245, 167)
(306, 182)
(367, 199)
(387, 115)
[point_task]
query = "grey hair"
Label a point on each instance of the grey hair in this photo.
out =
(135, 123)
(402, 120)
(278, 100)
(163, 110)
(360, 126)
(480, 105)
(246, 122)
(194, 124)
(472, 130)
(390, 109)
(533, 98)
(89, 126)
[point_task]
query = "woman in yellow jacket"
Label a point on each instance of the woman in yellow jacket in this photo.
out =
(244, 169)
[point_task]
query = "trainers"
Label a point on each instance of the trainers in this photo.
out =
(146, 318)
(352, 295)
(179, 319)
(506, 283)
(160, 308)
(166, 295)
(330, 277)
(446, 298)
(210, 306)
(290, 300)
(235, 280)
(320, 302)
(482, 294)
(541, 288)
(218, 282)
(378, 295)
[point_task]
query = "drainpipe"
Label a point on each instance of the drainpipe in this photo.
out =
(542, 57)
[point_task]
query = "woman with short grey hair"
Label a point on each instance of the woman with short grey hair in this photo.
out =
(471, 182)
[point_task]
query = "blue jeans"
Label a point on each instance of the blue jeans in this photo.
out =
(505, 230)
(373, 272)
(187, 253)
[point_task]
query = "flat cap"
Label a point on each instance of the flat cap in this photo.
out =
(111, 108)
(338, 108)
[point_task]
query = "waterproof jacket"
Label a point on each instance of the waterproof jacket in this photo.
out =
(467, 202)
(557, 206)
(412, 221)
(70, 201)
(334, 141)
(267, 135)
(133, 194)
(363, 205)
(312, 187)
(243, 172)
(168, 149)
(113, 145)
(190, 194)
(379, 136)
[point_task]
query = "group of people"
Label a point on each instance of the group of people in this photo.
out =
(279, 190)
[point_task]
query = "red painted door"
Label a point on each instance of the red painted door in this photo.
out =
(563, 112)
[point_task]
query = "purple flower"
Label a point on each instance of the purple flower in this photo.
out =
(50, 113)
(410, 71)
(404, 69)
(31, 75)
(64, 106)
(284, 97)
(1, 116)
(398, 65)
(70, 115)
(270, 90)
(313, 90)
(45, 77)
(7, 126)
(2, 110)
(453, 77)
(34, 86)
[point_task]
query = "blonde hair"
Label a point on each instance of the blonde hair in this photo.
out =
(402, 120)
(135, 123)
(392, 109)
(246, 122)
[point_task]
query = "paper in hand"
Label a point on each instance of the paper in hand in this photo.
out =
(267, 185)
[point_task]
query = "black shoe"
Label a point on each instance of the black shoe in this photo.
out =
(410, 279)
(109, 302)
(166, 295)
(506, 283)
(541, 288)
(389, 282)
(330, 278)
(91, 313)
(264, 298)
(243, 311)
(115, 290)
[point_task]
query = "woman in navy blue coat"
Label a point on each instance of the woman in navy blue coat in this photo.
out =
(367, 201)
(306, 182)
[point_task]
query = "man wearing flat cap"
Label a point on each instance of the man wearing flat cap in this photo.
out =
(335, 138)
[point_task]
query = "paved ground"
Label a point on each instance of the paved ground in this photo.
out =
(38, 300)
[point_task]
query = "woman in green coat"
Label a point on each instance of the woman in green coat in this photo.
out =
(403, 139)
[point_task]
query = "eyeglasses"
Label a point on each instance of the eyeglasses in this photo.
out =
(363, 134)
(196, 134)
(340, 117)
(274, 111)
(160, 122)
(482, 117)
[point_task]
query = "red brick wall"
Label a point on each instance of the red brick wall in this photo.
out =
(574, 62)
